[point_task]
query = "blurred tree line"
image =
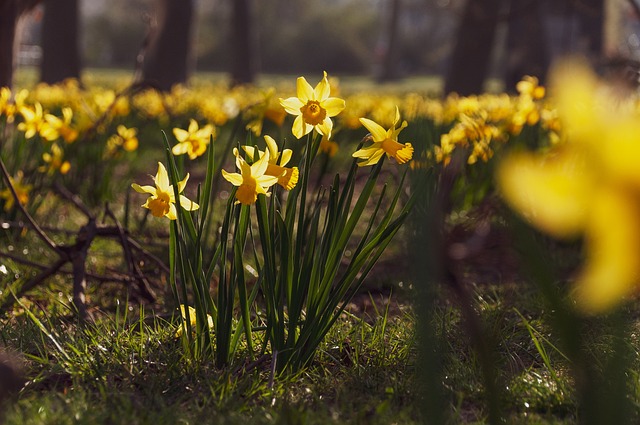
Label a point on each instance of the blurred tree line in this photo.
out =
(164, 40)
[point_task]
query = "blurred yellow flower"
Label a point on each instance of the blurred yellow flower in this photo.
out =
(528, 86)
(54, 127)
(252, 180)
(193, 141)
(161, 203)
(54, 161)
(266, 108)
(384, 141)
(588, 185)
(33, 119)
(125, 138)
(287, 176)
(313, 107)
(22, 190)
(192, 320)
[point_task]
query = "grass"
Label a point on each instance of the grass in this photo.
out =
(128, 368)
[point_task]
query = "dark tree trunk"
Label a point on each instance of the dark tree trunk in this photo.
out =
(166, 63)
(388, 69)
(474, 42)
(527, 50)
(60, 49)
(8, 21)
(243, 67)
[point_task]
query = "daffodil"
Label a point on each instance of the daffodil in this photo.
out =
(161, 203)
(54, 161)
(251, 180)
(125, 139)
(33, 120)
(587, 186)
(54, 127)
(192, 320)
(384, 141)
(192, 141)
(22, 190)
(287, 176)
(313, 107)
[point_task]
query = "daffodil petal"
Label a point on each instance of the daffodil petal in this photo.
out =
(300, 128)
(162, 178)
(286, 157)
(322, 90)
(188, 204)
(304, 91)
(272, 146)
(612, 271)
(333, 106)
(180, 134)
(292, 105)
(144, 189)
(233, 178)
(552, 192)
(379, 134)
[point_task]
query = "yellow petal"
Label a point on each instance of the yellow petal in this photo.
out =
(552, 192)
(292, 105)
(249, 150)
(272, 146)
(260, 166)
(144, 189)
(322, 90)
(325, 127)
(300, 128)
(188, 204)
(180, 134)
(304, 91)
(162, 178)
(379, 134)
(233, 178)
(193, 126)
(613, 252)
(333, 106)
(286, 157)
(183, 183)
(619, 151)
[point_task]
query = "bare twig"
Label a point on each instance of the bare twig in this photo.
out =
(41, 234)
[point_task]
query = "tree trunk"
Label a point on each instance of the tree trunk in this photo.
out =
(388, 69)
(472, 53)
(8, 20)
(166, 63)
(527, 50)
(60, 49)
(243, 68)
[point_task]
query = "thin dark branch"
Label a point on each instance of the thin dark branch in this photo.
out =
(33, 282)
(43, 236)
(74, 199)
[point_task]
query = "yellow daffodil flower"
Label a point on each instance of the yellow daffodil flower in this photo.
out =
(33, 119)
(287, 176)
(22, 190)
(251, 180)
(125, 138)
(528, 86)
(192, 320)
(588, 185)
(161, 203)
(384, 141)
(313, 108)
(193, 141)
(54, 161)
(54, 127)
